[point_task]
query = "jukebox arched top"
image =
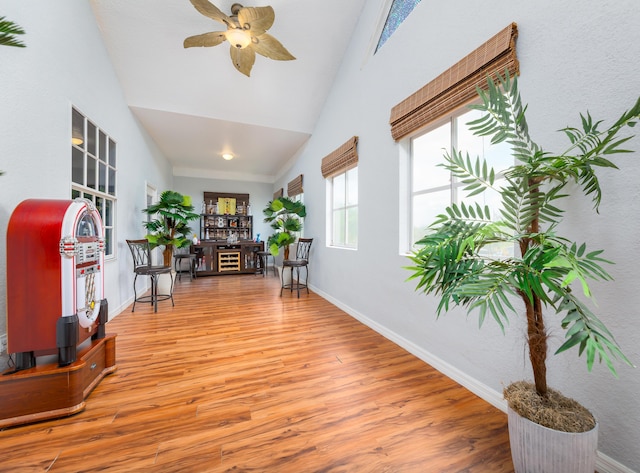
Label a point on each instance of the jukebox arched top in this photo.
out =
(55, 263)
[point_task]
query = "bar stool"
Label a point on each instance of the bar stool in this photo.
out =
(263, 258)
(141, 253)
(177, 263)
(301, 261)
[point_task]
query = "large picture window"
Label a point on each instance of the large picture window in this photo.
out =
(432, 121)
(433, 187)
(93, 172)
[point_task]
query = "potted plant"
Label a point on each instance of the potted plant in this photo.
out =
(8, 32)
(451, 261)
(169, 226)
(285, 216)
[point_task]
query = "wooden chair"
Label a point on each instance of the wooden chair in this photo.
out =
(301, 261)
(141, 253)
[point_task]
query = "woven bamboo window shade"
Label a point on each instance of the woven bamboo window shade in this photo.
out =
(295, 186)
(279, 193)
(457, 85)
(341, 160)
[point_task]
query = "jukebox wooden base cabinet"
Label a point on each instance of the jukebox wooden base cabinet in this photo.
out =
(50, 391)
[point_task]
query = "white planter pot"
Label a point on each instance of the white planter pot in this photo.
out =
(538, 449)
(285, 276)
(165, 283)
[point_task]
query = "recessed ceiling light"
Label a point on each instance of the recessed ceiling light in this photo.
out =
(227, 156)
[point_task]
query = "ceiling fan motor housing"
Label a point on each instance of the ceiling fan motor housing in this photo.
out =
(235, 8)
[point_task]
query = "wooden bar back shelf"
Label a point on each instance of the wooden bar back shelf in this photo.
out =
(218, 222)
(226, 236)
(50, 391)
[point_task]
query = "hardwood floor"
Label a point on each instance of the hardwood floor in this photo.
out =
(236, 378)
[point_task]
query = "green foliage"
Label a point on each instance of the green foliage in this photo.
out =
(8, 30)
(452, 261)
(285, 217)
(170, 224)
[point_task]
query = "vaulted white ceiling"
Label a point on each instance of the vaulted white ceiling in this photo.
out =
(197, 106)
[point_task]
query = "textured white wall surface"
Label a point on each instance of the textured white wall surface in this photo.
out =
(64, 64)
(574, 56)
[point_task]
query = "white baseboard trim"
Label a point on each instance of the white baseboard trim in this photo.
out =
(604, 464)
(114, 312)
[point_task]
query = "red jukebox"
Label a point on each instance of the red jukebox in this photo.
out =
(55, 303)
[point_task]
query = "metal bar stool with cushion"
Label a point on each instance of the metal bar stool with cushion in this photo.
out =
(301, 261)
(263, 259)
(183, 254)
(141, 252)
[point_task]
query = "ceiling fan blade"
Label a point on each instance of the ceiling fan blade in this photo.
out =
(268, 46)
(207, 39)
(209, 10)
(256, 19)
(243, 59)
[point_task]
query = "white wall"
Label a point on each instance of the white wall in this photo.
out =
(574, 56)
(65, 64)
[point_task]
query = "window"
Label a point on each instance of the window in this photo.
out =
(343, 223)
(93, 172)
(299, 198)
(295, 192)
(433, 120)
(433, 188)
(340, 169)
(294, 187)
(398, 12)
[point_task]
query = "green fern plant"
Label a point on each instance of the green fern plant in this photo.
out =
(450, 263)
(8, 32)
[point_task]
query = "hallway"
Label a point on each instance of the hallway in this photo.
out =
(236, 378)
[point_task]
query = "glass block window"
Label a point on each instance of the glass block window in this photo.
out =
(93, 171)
(399, 11)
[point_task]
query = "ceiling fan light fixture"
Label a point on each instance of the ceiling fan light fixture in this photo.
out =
(227, 156)
(246, 33)
(238, 38)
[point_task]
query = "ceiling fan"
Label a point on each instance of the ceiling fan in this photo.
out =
(246, 32)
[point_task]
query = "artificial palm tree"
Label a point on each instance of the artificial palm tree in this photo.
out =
(8, 32)
(170, 225)
(450, 261)
(285, 216)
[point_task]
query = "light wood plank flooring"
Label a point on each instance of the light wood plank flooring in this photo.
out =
(235, 378)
